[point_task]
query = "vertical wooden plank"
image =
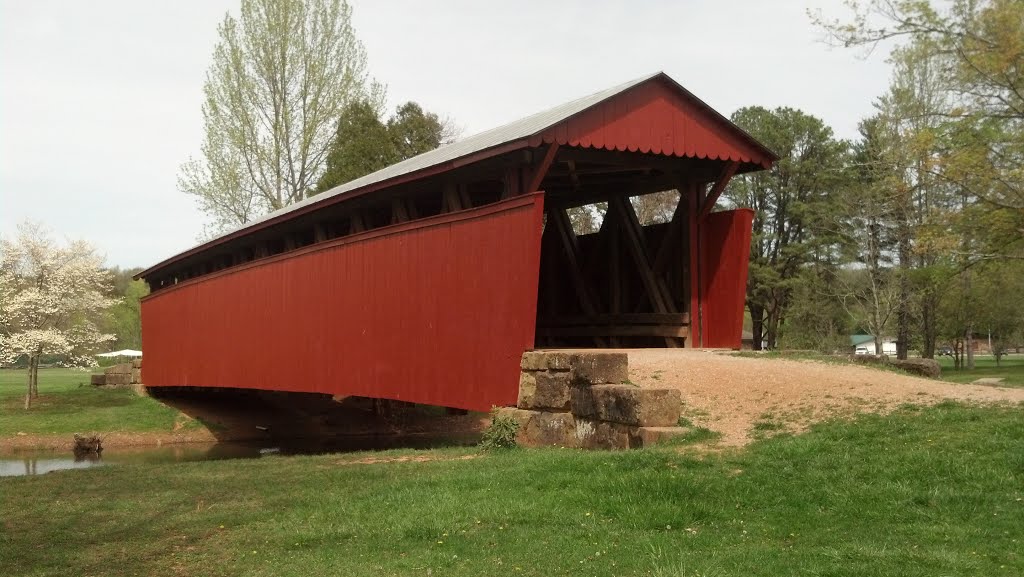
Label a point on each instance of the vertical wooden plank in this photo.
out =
(614, 267)
(356, 222)
(435, 313)
(725, 257)
(450, 201)
(465, 201)
(399, 211)
(693, 203)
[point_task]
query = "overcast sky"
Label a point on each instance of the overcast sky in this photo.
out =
(100, 101)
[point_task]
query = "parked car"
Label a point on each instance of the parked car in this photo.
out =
(861, 351)
(944, 351)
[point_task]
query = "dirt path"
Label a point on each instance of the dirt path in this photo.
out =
(732, 395)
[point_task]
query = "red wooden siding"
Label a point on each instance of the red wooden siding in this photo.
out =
(436, 311)
(655, 118)
(725, 254)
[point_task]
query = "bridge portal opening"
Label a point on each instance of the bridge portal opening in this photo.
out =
(615, 264)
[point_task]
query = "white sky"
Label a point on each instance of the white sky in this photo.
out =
(100, 100)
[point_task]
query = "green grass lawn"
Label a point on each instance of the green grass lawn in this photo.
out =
(1011, 369)
(937, 491)
(68, 404)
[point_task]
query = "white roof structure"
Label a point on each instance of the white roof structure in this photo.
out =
(122, 353)
(522, 128)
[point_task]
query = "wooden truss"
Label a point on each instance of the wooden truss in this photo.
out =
(626, 285)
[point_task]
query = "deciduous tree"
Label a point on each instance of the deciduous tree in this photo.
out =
(282, 74)
(124, 319)
(365, 142)
(52, 299)
(791, 208)
(979, 44)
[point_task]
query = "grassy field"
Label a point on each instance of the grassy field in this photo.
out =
(1011, 369)
(68, 404)
(936, 491)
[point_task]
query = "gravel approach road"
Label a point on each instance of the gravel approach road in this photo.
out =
(740, 396)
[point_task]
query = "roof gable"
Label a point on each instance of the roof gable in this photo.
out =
(660, 117)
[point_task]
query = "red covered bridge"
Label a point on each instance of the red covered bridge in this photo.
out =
(427, 280)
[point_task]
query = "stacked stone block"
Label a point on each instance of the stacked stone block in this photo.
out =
(120, 375)
(584, 400)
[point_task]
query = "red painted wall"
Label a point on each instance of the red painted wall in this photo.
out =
(437, 311)
(725, 257)
(656, 118)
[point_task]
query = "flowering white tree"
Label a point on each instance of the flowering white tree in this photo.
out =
(51, 300)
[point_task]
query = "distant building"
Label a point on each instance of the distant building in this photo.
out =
(865, 345)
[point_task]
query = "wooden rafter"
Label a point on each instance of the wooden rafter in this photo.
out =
(512, 182)
(357, 224)
(632, 234)
(541, 169)
(723, 180)
(655, 288)
(561, 226)
(450, 199)
(574, 175)
(399, 211)
(675, 230)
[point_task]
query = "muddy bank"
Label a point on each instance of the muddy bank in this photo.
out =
(232, 416)
(28, 442)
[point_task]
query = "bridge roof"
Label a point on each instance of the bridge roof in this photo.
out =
(702, 132)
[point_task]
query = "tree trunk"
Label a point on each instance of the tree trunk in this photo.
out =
(28, 392)
(878, 345)
(757, 328)
(903, 306)
(970, 347)
(771, 337)
(34, 367)
(928, 336)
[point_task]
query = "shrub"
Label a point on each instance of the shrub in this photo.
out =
(501, 433)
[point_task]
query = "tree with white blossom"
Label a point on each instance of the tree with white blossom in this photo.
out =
(52, 298)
